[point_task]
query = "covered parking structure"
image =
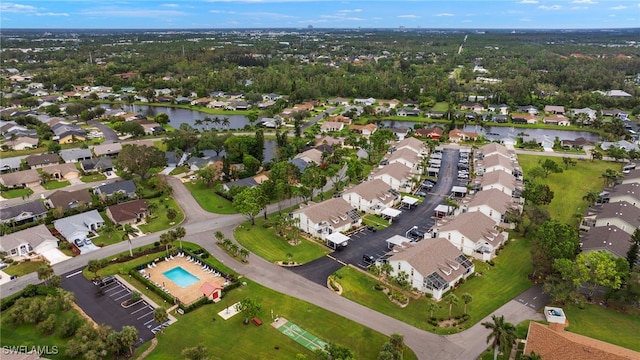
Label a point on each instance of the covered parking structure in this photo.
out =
(408, 202)
(390, 214)
(337, 240)
(459, 191)
(443, 210)
(397, 240)
(431, 171)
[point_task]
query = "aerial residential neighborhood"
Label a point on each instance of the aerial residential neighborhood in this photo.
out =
(304, 192)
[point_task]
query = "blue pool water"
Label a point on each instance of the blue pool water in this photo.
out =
(181, 277)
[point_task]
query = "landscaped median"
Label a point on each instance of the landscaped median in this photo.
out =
(209, 200)
(262, 240)
(492, 287)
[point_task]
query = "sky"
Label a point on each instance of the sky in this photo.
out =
(239, 14)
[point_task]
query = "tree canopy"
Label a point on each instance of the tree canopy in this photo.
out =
(140, 159)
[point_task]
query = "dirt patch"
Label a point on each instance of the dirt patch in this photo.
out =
(84, 315)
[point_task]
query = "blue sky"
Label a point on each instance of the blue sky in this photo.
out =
(180, 14)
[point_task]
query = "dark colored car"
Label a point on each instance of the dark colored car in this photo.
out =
(371, 228)
(368, 259)
(421, 193)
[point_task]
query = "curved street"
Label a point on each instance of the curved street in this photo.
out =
(201, 225)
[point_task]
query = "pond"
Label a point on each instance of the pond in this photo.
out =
(178, 116)
(500, 132)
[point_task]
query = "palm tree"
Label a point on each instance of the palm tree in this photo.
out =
(244, 253)
(166, 239)
(451, 299)
(503, 334)
(466, 298)
(591, 197)
(226, 243)
(289, 257)
(219, 236)
(532, 356)
(234, 248)
(160, 315)
(179, 233)
(128, 231)
(431, 307)
(610, 176)
(386, 269)
(44, 273)
(226, 123)
(216, 121)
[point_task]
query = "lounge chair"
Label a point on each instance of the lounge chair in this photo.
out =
(149, 266)
(189, 259)
(153, 264)
(171, 257)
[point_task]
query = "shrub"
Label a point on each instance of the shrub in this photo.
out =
(48, 326)
(69, 327)
(378, 286)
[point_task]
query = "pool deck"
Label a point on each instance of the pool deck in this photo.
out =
(190, 293)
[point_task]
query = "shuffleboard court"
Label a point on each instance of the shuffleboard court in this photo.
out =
(300, 335)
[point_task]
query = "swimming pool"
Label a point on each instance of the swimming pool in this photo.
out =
(181, 277)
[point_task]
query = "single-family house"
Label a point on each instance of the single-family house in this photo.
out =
(500, 109)
(614, 93)
(338, 101)
(126, 187)
(371, 196)
(590, 113)
(201, 101)
(311, 156)
(36, 161)
(79, 226)
(532, 110)
(300, 164)
(609, 239)
(23, 213)
(22, 143)
(100, 164)
(623, 144)
(616, 113)
(112, 149)
(474, 233)
(433, 133)
(327, 217)
(64, 171)
(68, 199)
(75, 155)
(554, 109)
(578, 142)
(391, 104)
(559, 120)
(329, 140)
(26, 178)
(10, 164)
(493, 203)
(408, 112)
(433, 266)
(308, 106)
(331, 126)
(68, 133)
(396, 175)
(365, 102)
(340, 118)
(246, 182)
(37, 239)
(365, 130)
(129, 212)
(621, 214)
(434, 114)
(457, 135)
(401, 132)
(475, 107)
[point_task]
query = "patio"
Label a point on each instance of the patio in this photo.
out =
(186, 295)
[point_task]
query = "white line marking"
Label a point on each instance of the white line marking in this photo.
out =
(142, 308)
(145, 315)
(74, 274)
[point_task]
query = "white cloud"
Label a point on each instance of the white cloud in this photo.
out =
(552, 7)
(443, 14)
(16, 8)
(528, 2)
(350, 11)
(525, 19)
(137, 13)
(584, 2)
(408, 16)
(52, 14)
(466, 21)
(619, 7)
(170, 5)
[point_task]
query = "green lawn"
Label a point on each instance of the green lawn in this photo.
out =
(375, 221)
(23, 268)
(209, 200)
(496, 286)
(93, 177)
(441, 106)
(265, 243)
(605, 324)
(231, 339)
(52, 185)
(571, 185)
(158, 221)
(16, 193)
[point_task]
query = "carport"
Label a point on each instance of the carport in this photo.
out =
(397, 240)
(431, 171)
(442, 210)
(337, 240)
(390, 214)
(408, 202)
(459, 191)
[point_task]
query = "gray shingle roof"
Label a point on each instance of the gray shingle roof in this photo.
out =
(35, 208)
(127, 187)
(75, 154)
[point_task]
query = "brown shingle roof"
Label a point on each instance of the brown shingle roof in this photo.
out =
(412, 143)
(128, 211)
(396, 170)
(499, 177)
(629, 189)
(406, 154)
(372, 189)
(496, 160)
(492, 148)
(622, 210)
(475, 226)
(493, 198)
(333, 211)
(42, 159)
(563, 345)
(20, 177)
(66, 199)
(62, 169)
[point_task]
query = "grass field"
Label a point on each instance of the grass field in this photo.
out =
(16, 193)
(265, 243)
(605, 324)
(209, 200)
(441, 106)
(23, 268)
(231, 339)
(571, 185)
(496, 286)
(93, 177)
(52, 185)
(158, 220)
(375, 221)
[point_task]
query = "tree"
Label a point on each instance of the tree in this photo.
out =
(313, 178)
(249, 202)
(160, 315)
(219, 236)
(209, 174)
(128, 337)
(451, 299)
(244, 254)
(591, 197)
(54, 147)
(335, 352)
(431, 307)
(249, 307)
(355, 170)
(567, 161)
(166, 239)
(139, 159)
(537, 194)
(466, 298)
(179, 233)
(95, 265)
(128, 231)
(171, 214)
(610, 177)
(632, 254)
(550, 166)
(161, 118)
(553, 240)
(131, 127)
(598, 269)
(199, 352)
(45, 272)
(502, 336)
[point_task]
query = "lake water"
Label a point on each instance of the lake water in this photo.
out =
(501, 132)
(178, 116)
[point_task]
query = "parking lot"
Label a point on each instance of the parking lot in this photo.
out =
(373, 243)
(103, 304)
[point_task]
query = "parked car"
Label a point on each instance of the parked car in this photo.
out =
(87, 242)
(371, 228)
(416, 234)
(421, 193)
(79, 243)
(368, 259)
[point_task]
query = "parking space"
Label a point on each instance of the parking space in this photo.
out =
(104, 304)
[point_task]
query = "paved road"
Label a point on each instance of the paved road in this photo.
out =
(44, 193)
(317, 118)
(200, 227)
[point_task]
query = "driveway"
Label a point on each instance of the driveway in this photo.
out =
(317, 118)
(110, 135)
